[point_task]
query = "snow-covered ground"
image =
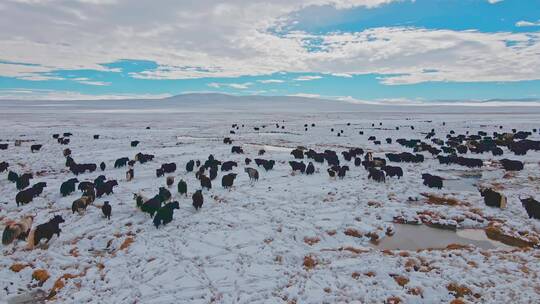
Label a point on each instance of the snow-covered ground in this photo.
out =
(279, 240)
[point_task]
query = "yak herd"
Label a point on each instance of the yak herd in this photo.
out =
(448, 150)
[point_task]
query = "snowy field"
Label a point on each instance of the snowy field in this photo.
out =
(284, 239)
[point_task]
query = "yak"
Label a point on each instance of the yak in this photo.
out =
(68, 186)
(182, 187)
(432, 181)
(532, 207)
(228, 180)
(17, 230)
(511, 165)
(228, 165)
(198, 199)
(493, 198)
(106, 209)
(165, 214)
(297, 153)
(237, 150)
(106, 188)
(168, 168)
(376, 175)
(4, 166)
(121, 162)
(310, 169)
(205, 182)
(35, 148)
(252, 173)
(45, 231)
(393, 171)
(189, 165)
(298, 166)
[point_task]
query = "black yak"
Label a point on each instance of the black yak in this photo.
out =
(310, 169)
(96, 136)
(106, 188)
(135, 143)
(121, 162)
(496, 151)
(143, 158)
(45, 231)
(252, 173)
(269, 164)
(227, 140)
(511, 165)
(357, 161)
(182, 187)
(493, 198)
(298, 166)
(189, 165)
(205, 182)
(66, 152)
(228, 165)
(35, 148)
(432, 181)
(198, 199)
(152, 205)
(4, 166)
(159, 172)
(228, 180)
(17, 230)
(213, 172)
(237, 149)
(165, 214)
(341, 171)
(297, 153)
(247, 161)
(168, 168)
(68, 186)
(393, 171)
(4, 146)
(106, 209)
(23, 181)
(532, 207)
(377, 175)
(25, 196)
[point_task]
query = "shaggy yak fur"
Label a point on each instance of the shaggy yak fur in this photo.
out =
(17, 230)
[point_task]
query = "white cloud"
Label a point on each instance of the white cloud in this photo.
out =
(239, 86)
(344, 75)
(527, 23)
(29, 94)
(307, 78)
(194, 39)
(307, 95)
(91, 82)
(271, 81)
(494, 1)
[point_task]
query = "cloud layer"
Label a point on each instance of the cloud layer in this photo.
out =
(194, 39)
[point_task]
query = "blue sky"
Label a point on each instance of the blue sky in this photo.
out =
(421, 50)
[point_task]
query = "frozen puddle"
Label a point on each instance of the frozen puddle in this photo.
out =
(461, 184)
(414, 237)
(36, 296)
